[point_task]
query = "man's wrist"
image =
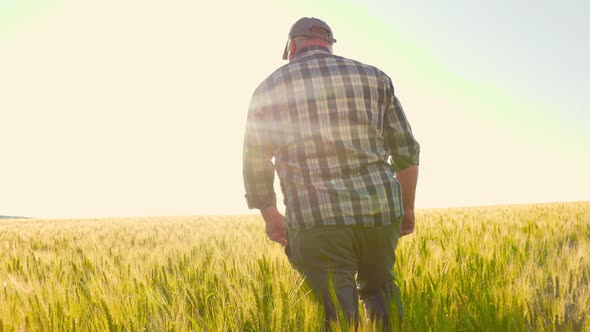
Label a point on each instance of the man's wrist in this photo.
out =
(268, 209)
(269, 213)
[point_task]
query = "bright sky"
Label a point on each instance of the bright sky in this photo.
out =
(137, 107)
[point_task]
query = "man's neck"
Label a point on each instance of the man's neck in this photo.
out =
(313, 42)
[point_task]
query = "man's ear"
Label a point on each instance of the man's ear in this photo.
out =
(292, 48)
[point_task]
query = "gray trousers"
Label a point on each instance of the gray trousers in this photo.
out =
(329, 257)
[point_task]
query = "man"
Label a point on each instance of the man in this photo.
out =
(337, 134)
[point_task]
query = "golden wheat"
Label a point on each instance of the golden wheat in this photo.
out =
(505, 268)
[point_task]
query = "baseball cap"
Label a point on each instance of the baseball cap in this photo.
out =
(309, 27)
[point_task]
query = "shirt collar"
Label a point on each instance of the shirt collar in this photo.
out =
(310, 50)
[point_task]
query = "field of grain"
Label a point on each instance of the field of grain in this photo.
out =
(513, 268)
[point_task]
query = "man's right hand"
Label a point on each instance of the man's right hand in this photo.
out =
(408, 223)
(275, 225)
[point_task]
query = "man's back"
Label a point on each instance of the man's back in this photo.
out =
(337, 134)
(331, 124)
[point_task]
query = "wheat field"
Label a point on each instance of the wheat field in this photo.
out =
(504, 268)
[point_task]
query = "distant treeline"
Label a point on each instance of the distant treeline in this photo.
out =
(12, 217)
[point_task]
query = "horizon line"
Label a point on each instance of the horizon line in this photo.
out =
(255, 212)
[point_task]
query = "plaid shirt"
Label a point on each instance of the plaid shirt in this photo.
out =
(337, 134)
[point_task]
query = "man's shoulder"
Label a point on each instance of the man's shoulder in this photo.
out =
(272, 80)
(364, 69)
(367, 67)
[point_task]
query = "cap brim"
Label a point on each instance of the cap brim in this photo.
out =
(286, 51)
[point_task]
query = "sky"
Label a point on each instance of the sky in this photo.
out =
(137, 107)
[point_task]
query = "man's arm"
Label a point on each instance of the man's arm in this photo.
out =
(258, 170)
(405, 156)
(408, 179)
